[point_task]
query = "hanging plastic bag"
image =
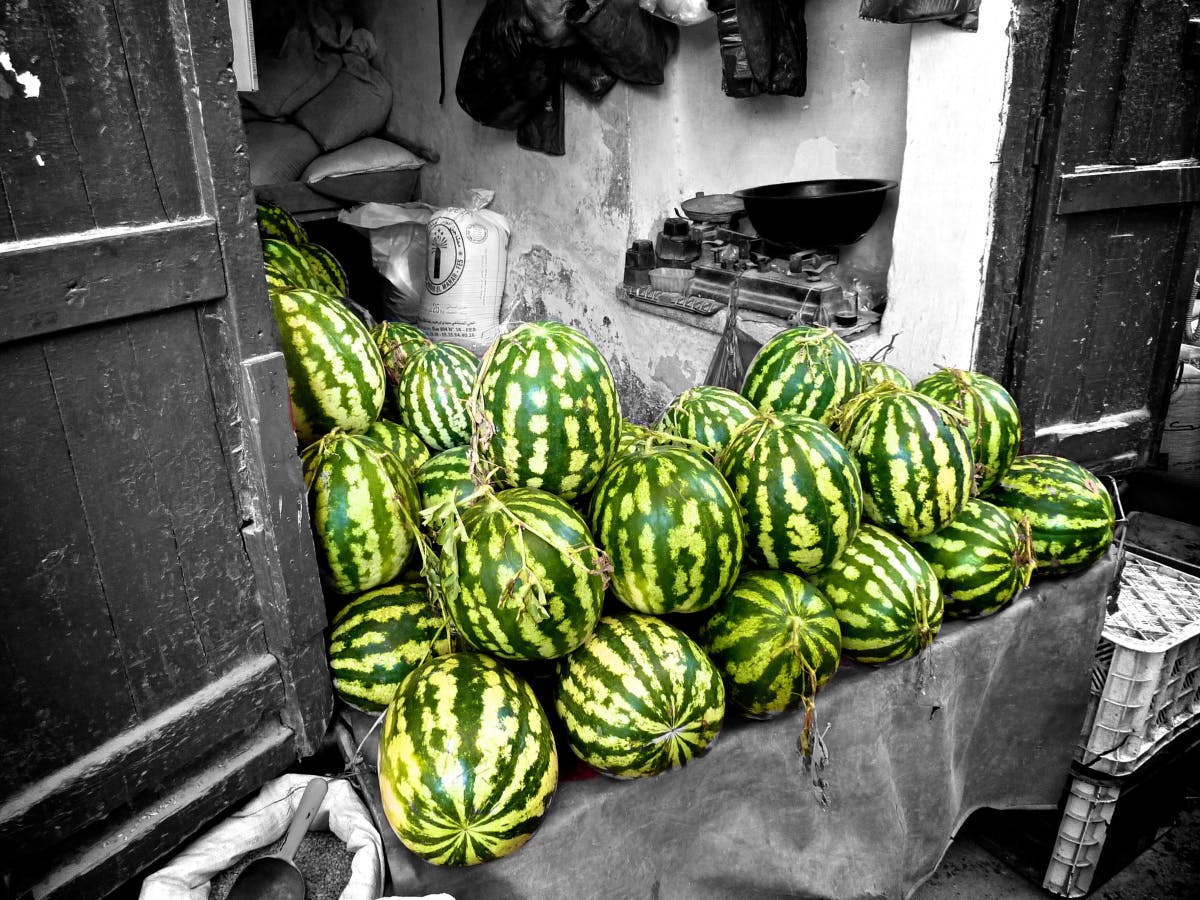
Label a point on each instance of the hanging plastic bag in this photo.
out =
(632, 44)
(681, 12)
(962, 14)
(465, 268)
(398, 235)
(504, 76)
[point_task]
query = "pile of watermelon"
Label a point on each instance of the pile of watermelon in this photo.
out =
(515, 566)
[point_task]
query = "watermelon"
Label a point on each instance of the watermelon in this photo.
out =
(708, 415)
(335, 374)
(326, 269)
(397, 341)
(799, 490)
(277, 223)
(775, 639)
(547, 409)
(886, 597)
(411, 450)
(873, 373)
(993, 422)
(671, 527)
(378, 638)
(467, 761)
(445, 477)
(287, 267)
(364, 510)
(525, 581)
(914, 458)
(806, 369)
(1071, 515)
(431, 395)
(982, 559)
(638, 698)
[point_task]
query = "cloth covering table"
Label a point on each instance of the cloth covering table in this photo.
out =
(990, 719)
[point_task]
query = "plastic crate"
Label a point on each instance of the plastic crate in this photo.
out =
(1146, 676)
(1086, 816)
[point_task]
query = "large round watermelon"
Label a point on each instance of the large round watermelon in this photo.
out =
(639, 697)
(885, 596)
(671, 527)
(1071, 515)
(467, 762)
(775, 639)
(335, 374)
(874, 372)
(708, 415)
(277, 223)
(397, 342)
(364, 510)
(913, 456)
(431, 395)
(992, 420)
(806, 369)
(981, 559)
(549, 410)
(529, 583)
(378, 638)
(799, 490)
(411, 450)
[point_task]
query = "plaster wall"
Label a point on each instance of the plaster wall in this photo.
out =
(634, 156)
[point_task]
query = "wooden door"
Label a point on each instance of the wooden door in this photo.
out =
(1096, 237)
(161, 614)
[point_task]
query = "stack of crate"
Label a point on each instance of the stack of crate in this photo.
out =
(1145, 706)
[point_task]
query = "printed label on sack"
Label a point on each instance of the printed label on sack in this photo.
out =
(476, 234)
(445, 259)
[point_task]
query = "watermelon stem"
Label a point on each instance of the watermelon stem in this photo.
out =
(1024, 559)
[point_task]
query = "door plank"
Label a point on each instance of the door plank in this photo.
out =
(1119, 187)
(105, 275)
(118, 771)
(55, 619)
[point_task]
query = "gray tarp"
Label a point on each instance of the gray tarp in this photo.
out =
(995, 725)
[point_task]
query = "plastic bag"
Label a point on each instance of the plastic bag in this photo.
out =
(962, 14)
(505, 75)
(398, 235)
(631, 43)
(466, 264)
(681, 12)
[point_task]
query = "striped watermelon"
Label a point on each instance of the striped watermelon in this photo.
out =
(288, 267)
(874, 373)
(411, 450)
(431, 395)
(525, 582)
(335, 375)
(993, 422)
(982, 559)
(381, 636)
(364, 510)
(1071, 516)
(807, 369)
(547, 409)
(397, 341)
(776, 641)
(639, 697)
(631, 436)
(708, 415)
(445, 477)
(914, 458)
(885, 596)
(467, 761)
(799, 490)
(277, 223)
(671, 527)
(326, 269)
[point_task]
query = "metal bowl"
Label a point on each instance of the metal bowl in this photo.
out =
(824, 213)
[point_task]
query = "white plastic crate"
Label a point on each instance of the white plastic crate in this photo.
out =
(1086, 816)
(1146, 676)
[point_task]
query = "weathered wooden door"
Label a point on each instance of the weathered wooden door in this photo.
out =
(160, 611)
(1097, 232)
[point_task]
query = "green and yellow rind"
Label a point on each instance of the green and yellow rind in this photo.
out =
(411, 450)
(528, 575)
(549, 409)
(806, 369)
(798, 488)
(335, 374)
(1071, 515)
(981, 560)
(708, 415)
(873, 372)
(671, 527)
(992, 420)
(378, 638)
(277, 223)
(639, 698)
(364, 510)
(432, 393)
(775, 639)
(467, 761)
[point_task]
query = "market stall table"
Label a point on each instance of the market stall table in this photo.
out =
(990, 718)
